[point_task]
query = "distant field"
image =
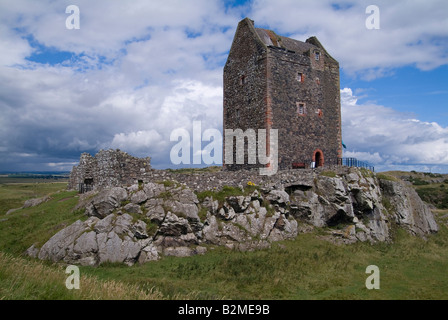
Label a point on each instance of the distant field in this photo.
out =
(305, 268)
(14, 192)
(6, 179)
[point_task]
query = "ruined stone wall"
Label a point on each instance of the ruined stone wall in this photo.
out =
(115, 168)
(108, 168)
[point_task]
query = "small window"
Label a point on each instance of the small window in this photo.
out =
(300, 77)
(237, 113)
(242, 80)
(317, 55)
(301, 109)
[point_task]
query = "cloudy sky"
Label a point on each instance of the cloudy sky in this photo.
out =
(136, 70)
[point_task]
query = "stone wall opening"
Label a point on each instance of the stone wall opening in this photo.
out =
(318, 158)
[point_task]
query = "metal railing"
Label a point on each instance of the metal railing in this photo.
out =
(348, 162)
(353, 162)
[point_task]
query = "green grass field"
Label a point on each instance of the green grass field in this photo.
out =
(305, 268)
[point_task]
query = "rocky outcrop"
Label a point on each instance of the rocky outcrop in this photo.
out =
(30, 203)
(35, 202)
(407, 209)
(143, 222)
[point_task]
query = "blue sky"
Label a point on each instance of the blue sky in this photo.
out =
(135, 71)
(408, 90)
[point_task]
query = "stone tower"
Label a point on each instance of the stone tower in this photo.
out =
(274, 82)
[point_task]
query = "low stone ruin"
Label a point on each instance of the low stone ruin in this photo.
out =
(106, 169)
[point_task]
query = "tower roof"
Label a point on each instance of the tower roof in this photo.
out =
(270, 38)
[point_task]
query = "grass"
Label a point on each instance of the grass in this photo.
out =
(13, 195)
(25, 279)
(35, 225)
(431, 187)
(385, 176)
(305, 268)
(436, 194)
(328, 173)
(226, 191)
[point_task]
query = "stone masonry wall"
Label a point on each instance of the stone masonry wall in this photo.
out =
(245, 85)
(266, 77)
(109, 168)
(300, 135)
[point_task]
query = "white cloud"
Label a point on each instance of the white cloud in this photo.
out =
(411, 32)
(140, 70)
(383, 136)
(140, 140)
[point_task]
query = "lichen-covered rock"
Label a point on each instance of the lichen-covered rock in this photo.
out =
(35, 202)
(106, 202)
(142, 222)
(408, 209)
(139, 197)
(62, 243)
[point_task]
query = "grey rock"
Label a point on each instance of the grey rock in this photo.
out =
(211, 230)
(105, 225)
(56, 248)
(122, 225)
(211, 205)
(184, 195)
(35, 202)
(148, 253)
(174, 226)
(239, 203)
(298, 201)
(86, 243)
(408, 209)
(113, 249)
(32, 251)
(226, 212)
(184, 251)
(139, 197)
(178, 251)
(11, 211)
(133, 188)
(106, 202)
(278, 197)
(153, 189)
(189, 209)
(139, 230)
(132, 208)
